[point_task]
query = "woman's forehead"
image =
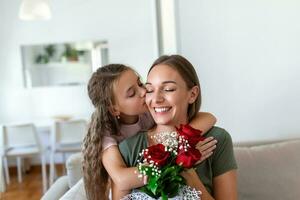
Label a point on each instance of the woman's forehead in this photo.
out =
(164, 73)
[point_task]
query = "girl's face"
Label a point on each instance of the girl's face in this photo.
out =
(167, 96)
(129, 95)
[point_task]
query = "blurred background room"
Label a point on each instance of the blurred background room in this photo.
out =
(246, 54)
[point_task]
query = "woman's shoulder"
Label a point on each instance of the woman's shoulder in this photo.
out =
(135, 138)
(223, 159)
(132, 146)
(218, 133)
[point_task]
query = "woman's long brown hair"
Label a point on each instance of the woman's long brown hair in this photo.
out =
(100, 91)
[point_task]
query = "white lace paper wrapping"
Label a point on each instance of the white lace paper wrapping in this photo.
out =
(185, 193)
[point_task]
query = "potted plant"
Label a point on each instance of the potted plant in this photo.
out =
(48, 53)
(70, 53)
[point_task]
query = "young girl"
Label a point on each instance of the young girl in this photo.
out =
(120, 112)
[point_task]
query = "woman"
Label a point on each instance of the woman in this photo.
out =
(169, 80)
(120, 111)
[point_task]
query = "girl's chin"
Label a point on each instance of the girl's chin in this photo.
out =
(143, 110)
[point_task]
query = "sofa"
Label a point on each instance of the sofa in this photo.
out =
(267, 170)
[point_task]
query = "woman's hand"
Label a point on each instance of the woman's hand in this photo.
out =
(206, 148)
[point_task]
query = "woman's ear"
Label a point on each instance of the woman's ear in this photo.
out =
(194, 93)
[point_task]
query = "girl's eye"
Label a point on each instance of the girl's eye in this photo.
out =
(132, 94)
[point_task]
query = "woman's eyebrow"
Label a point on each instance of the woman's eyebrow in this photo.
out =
(164, 82)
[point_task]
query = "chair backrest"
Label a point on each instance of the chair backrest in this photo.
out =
(20, 135)
(70, 132)
(1, 142)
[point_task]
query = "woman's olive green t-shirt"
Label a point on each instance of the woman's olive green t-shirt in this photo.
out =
(221, 161)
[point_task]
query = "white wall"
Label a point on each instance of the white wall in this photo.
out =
(246, 54)
(126, 25)
(247, 57)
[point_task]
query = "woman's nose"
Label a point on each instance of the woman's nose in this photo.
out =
(157, 97)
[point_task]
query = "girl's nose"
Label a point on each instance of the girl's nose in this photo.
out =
(142, 91)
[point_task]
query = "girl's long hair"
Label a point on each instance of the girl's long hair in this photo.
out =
(100, 91)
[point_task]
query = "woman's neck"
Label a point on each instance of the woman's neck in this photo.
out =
(164, 128)
(156, 130)
(172, 125)
(159, 128)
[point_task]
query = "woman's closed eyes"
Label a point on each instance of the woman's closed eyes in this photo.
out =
(169, 89)
(164, 89)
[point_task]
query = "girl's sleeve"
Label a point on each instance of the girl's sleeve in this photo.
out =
(108, 141)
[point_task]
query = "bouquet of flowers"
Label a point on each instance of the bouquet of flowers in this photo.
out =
(162, 163)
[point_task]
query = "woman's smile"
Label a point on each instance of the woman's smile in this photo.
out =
(162, 109)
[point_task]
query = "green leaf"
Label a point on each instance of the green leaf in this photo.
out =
(167, 184)
(152, 184)
(172, 189)
(164, 196)
(167, 171)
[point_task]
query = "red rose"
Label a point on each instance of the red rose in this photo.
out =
(189, 133)
(188, 158)
(157, 154)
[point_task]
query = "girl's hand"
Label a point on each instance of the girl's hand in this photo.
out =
(141, 176)
(145, 180)
(189, 174)
(206, 148)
